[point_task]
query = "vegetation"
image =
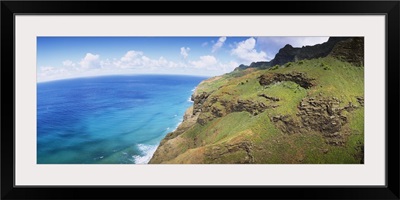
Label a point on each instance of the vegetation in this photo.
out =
(250, 122)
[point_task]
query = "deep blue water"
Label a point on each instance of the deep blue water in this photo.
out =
(112, 119)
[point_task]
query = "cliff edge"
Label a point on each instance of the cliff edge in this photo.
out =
(304, 110)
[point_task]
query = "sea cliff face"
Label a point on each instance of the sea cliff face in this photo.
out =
(305, 111)
(345, 47)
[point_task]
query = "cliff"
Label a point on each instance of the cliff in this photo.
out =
(350, 50)
(292, 54)
(304, 111)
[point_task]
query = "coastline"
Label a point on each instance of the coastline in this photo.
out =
(189, 118)
(106, 117)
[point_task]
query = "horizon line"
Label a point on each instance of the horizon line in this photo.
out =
(106, 75)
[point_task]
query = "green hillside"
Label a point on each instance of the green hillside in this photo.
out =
(309, 111)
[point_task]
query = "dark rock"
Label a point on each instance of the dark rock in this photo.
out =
(269, 97)
(215, 154)
(258, 65)
(287, 124)
(360, 101)
(198, 101)
(241, 67)
(350, 107)
(350, 50)
(291, 54)
(250, 106)
(276, 118)
(359, 152)
(323, 115)
(214, 108)
(297, 77)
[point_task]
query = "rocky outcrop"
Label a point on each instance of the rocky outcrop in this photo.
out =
(249, 117)
(218, 108)
(292, 54)
(253, 107)
(297, 77)
(287, 124)
(360, 100)
(350, 50)
(198, 101)
(320, 114)
(325, 116)
(210, 106)
(166, 149)
(243, 148)
(258, 65)
(269, 97)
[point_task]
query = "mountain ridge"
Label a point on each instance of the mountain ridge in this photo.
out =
(292, 54)
(303, 111)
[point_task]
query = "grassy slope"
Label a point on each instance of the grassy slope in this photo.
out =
(333, 78)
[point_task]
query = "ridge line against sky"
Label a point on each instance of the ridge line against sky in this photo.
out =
(72, 57)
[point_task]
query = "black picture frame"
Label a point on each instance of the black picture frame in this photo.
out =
(11, 8)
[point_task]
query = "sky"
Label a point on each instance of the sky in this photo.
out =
(71, 57)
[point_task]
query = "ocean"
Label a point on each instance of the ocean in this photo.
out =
(109, 119)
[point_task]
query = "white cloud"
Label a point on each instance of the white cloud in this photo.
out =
(294, 41)
(133, 62)
(129, 60)
(50, 73)
(219, 44)
(90, 61)
(309, 41)
(246, 51)
(228, 67)
(204, 44)
(46, 69)
(107, 63)
(206, 62)
(137, 59)
(131, 55)
(185, 52)
(271, 45)
(68, 63)
(212, 64)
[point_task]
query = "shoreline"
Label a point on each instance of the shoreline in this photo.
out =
(178, 126)
(188, 120)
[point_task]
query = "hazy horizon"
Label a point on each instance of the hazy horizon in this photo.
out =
(77, 57)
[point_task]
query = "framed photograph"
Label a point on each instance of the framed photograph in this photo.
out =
(263, 99)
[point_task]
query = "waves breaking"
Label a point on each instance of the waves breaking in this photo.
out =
(147, 152)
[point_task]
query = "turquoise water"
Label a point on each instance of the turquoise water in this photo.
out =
(112, 119)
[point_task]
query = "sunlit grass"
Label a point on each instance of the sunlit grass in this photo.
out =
(332, 78)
